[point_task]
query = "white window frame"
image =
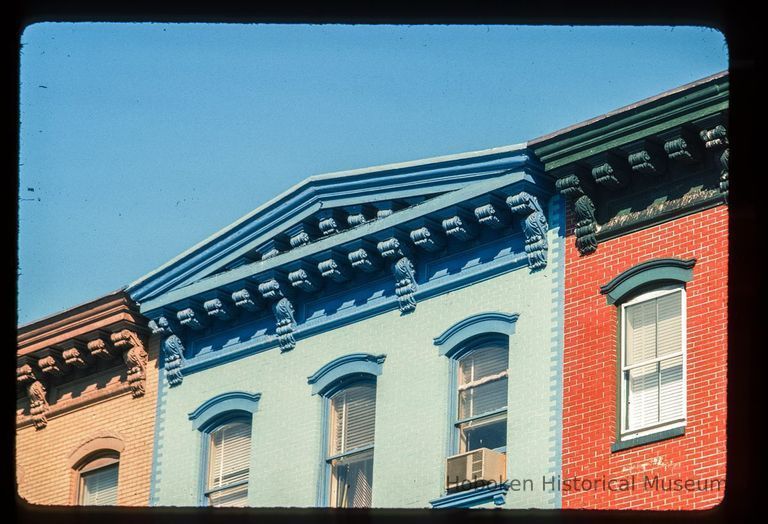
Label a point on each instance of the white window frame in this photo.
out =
(332, 458)
(457, 420)
(631, 433)
(208, 435)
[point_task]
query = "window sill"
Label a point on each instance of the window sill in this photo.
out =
(647, 439)
(495, 493)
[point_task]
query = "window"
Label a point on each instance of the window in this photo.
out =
(653, 362)
(229, 455)
(97, 480)
(482, 396)
(350, 451)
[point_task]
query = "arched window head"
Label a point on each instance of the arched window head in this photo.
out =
(97, 479)
(651, 304)
(224, 422)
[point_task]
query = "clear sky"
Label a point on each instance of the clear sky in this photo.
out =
(139, 140)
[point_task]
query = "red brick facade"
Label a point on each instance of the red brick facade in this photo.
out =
(590, 369)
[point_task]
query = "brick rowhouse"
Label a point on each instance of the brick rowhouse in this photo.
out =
(645, 183)
(86, 396)
(589, 368)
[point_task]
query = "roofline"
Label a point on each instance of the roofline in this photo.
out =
(74, 310)
(326, 177)
(627, 108)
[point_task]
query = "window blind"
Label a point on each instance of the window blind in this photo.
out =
(654, 332)
(100, 487)
(483, 381)
(230, 453)
(353, 418)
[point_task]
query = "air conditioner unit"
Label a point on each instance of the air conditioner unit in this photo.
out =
(475, 468)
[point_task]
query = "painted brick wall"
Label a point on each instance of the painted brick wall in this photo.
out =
(412, 400)
(43, 473)
(589, 374)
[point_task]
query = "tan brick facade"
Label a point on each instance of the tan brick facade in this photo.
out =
(89, 410)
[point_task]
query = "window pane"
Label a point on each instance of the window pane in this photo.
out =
(643, 397)
(641, 332)
(488, 432)
(230, 497)
(353, 417)
(352, 478)
(483, 398)
(670, 327)
(671, 389)
(99, 487)
(484, 361)
(230, 453)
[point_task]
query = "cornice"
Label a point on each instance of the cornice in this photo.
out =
(80, 342)
(633, 122)
(276, 290)
(68, 323)
(651, 162)
(363, 186)
(368, 230)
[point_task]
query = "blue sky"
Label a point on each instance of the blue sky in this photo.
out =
(139, 140)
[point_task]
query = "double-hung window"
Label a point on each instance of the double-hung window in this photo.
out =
(229, 455)
(653, 371)
(98, 481)
(350, 451)
(482, 396)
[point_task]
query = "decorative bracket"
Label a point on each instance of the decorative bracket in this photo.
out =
(385, 208)
(647, 158)
(246, 299)
(334, 266)
(301, 234)
(220, 308)
(460, 226)
(493, 213)
(74, 353)
(403, 271)
(192, 317)
(135, 357)
(286, 324)
(570, 186)
(283, 310)
(330, 220)
(359, 214)
(608, 171)
(272, 248)
(534, 226)
(428, 236)
(99, 346)
(306, 278)
(717, 140)
(681, 145)
(363, 258)
(38, 405)
(173, 349)
(51, 362)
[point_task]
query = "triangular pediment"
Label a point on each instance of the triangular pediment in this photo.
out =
(323, 206)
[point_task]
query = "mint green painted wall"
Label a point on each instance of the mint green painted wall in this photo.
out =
(412, 401)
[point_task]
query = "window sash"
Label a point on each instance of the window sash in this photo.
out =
(353, 419)
(228, 463)
(356, 493)
(668, 401)
(481, 384)
(98, 487)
